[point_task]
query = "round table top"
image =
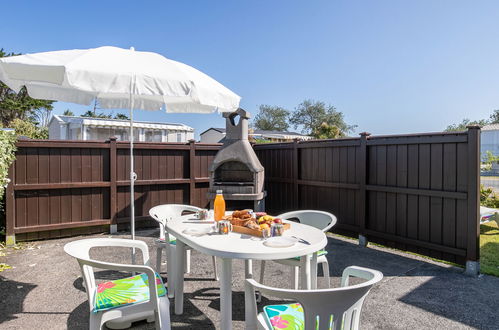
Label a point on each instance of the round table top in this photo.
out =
(241, 246)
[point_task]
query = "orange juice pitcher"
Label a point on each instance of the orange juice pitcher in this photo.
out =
(219, 206)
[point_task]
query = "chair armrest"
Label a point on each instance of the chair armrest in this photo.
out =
(360, 272)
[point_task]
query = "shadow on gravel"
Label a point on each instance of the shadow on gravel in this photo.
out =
(12, 295)
(448, 292)
(471, 301)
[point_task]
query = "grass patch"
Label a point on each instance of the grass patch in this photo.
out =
(489, 249)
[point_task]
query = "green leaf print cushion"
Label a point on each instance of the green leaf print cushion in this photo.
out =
(125, 291)
(287, 316)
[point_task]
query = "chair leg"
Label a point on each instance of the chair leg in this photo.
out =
(325, 273)
(163, 315)
(187, 261)
(296, 277)
(215, 270)
(169, 269)
(95, 322)
(159, 253)
(262, 275)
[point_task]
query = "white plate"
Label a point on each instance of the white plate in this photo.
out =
(280, 241)
(198, 230)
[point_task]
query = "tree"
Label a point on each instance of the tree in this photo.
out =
(326, 131)
(272, 118)
(28, 129)
(466, 122)
(310, 115)
(121, 116)
(42, 116)
(68, 112)
(494, 117)
(92, 114)
(19, 105)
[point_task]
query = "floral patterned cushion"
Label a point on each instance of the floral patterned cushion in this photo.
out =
(319, 253)
(173, 240)
(286, 316)
(125, 291)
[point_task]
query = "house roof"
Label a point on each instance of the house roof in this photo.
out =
(491, 127)
(89, 121)
(275, 134)
(219, 130)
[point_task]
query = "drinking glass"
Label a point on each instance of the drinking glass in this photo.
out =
(265, 233)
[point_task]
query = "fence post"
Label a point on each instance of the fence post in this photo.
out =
(296, 164)
(362, 188)
(473, 240)
(113, 191)
(10, 216)
(192, 175)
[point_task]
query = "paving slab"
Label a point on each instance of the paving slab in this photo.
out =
(44, 289)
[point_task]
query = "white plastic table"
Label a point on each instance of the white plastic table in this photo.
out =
(239, 246)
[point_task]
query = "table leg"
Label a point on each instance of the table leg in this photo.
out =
(305, 272)
(226, 294)
(248, 268)
(249, 310)
(313, 271)
(179, 277)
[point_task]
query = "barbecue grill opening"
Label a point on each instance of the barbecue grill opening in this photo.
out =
(233, 173)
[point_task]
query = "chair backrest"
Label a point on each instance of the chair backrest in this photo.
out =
(162, 213)
(81, 251)
(343, 304)
(319, 219)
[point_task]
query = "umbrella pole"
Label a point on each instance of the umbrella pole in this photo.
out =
(133, 176)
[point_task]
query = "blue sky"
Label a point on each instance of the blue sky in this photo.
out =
(389, 66)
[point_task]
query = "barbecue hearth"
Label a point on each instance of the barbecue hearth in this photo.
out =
(236, 169)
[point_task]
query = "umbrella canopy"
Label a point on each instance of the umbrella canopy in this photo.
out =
(111, 75)
(119, 79)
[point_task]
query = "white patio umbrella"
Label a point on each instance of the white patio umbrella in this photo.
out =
(119, 79)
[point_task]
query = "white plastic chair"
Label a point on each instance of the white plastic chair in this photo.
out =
(318, 219)
(156, 308)
(343, 304)
(162, 213)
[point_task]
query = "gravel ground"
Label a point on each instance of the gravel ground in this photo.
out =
(44, 289)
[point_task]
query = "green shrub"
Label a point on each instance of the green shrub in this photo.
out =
(7, 156)
(488, 197)
(28, 129)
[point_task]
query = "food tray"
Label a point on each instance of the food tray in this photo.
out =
(254, 232)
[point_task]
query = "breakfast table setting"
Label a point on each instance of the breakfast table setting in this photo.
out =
(244, 235)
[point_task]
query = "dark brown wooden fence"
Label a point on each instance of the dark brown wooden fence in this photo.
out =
(65, 188)
(413, 192)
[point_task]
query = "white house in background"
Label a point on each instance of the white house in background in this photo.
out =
(216, 135)
(489, 140)
(85, 128)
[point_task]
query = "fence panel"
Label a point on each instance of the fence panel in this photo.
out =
(63, 188)
(415, 192)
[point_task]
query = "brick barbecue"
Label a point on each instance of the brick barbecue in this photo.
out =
(236, 169)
